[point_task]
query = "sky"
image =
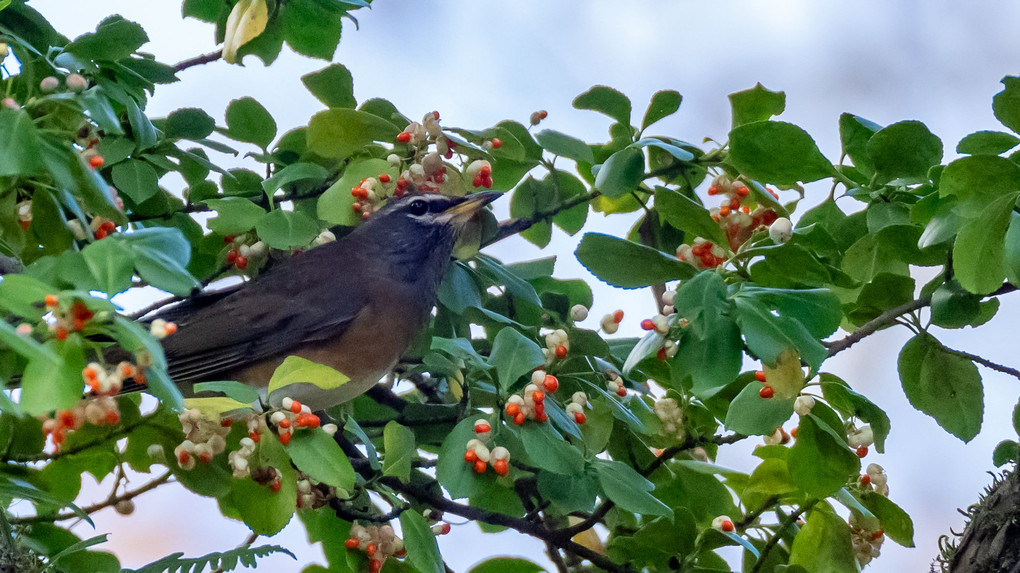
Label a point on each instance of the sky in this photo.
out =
(481, 62)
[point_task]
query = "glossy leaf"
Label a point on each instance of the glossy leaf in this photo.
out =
(234, 215)
(979, 250)
(1006, 104)
(621, 173)
(188, 123)
(820, 464)
(756, 104)
(663, 104)
(904, 150)
(777, 152)
(514, 355)
(627, 264)
(317, 455)
(136, 178)
(605, 100)
(565, 145)
(944, 386)
(987, 143)
(422, 549)
(753, 415)
(338, 133)
(286, 229)
(977, 180)
(629, 489)
(688, 215)
(823, 545)
(895, 522)
(20, 148)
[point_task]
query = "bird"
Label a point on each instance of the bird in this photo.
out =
(355, 304)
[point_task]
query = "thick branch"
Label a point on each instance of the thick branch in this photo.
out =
(90, 509)
(198, 60)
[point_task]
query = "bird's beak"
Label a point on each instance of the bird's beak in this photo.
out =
(471, 205)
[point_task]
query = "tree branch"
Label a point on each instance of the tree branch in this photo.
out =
(984, 362)
(198, 61)
(774, 540)
(514, 226)
(90, 509)
(881, 321)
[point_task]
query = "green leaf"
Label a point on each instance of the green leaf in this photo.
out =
(52, 381)
(111, 264)
(286, 229)
(753, 415)
(944, 386)
(114, 38)
(895, 522)
(422, 549)
(904, 150)
(854, 133)
(621, 173)
(297, 370)
(664, 104)
(456, 476)
(317, 454)
(249, 121)
(849, 403)
(312, 28)
(398, 441)
(1005, 452)
(505, 565)
(499, 274)
(235, 215)
(979, 250)
(626, 264)
(768, 331)
(777, 152)
(21, 294)
(1011, 251)
(161, 256)
(711, 351)
(334, 205)
(605, 100)
(820, 464)
(564, 145)
(267, 512)
(136, 178)
(549, 451)
(756, 104)
(332, 85)
(20, 148)
(1006, 104)
(629, 489)
(338, 133)
(817, 309)
(977, 180)
(458, 291)
(294, 172)
(954, 307)
(188, 123)
(823, 545)
(514, 355)
(231, 389)
(674, 150)
(987, 143)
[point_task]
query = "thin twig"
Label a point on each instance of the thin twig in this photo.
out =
(514, 226)
(881, 321)
(774, 540)
(90, 509)
(750, 518)
(198, 61)
(984, 362)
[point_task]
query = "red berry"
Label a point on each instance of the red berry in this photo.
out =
(579, 417)
(551, 384)
(726, 526)
(480, 466)
(519, 418)
(793, 432)
(401, 552)
(561, 352)
(205, 457)
(661, 354)
(501, 467)
(482, 428)
(862, 451)
(766, 392)
(370, 549)
(497, 143)
(512, 409)
(713, 190)
(285, 438)
(621, 391)
(647, 324)
(878, 534)
(865, 479)
(285, 423)
(538, 396)
(183, 458)
(352, 543)
(227, 239)
(295, 407)
(435, 114)
(759, 376)
(96, 161)
(241, 262)
(112, 417)
(539, 408)
(61, 333)
(232, 255)
(543, 114)
(384, 178)
(403, 137)
(275, 486)
(360, 192)
(51, 300)
(542, 417)
(470, 456)
(618, 316)
(374, 566)
(101, 233)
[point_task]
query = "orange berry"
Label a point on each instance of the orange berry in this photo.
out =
(621, 391)
(865, 479)
(543, 114)
(93, 385)
(78, 324)
(538, 396)
(480, 466)
(183, 458)
(374, 566)
(542, 417)
(742, 191)
(360, 192)
(140, 378)
(713, 190)
(241, 262)
(470, 456)
(735, 203)
(309, 421)
(88, 373)
(170, 327)
(285, 438)
(878, 534)
(61, 333)
(255, 436)
(551, 383)
(497, 143)
(352, 543)
(112, 417)
(51, 300)
(561, 352)
(482, 428)
(403, 137)
(579, 417)
(793, 432)
(284, 423)
(519, 418)
(501, 467)
(295, 407)
(205, 457)
(647, 324)
(766, 392)
(512, 409)
(759, 376)
(370, 549)
(384, 178)
(724, 210)
(727, 526)
(618, 316)
(96, 161)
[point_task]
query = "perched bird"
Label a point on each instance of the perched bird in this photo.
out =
(354, 304)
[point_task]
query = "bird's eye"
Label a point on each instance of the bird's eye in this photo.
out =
(419, 207)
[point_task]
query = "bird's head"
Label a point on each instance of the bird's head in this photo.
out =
(417, 232)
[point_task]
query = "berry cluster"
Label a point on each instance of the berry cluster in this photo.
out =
(311, 495)
(702, 253)
(860, 438)
(238, 459)
(369, 192)
(94, 410)
(296, 415)
(480, 173)
(672, 417)
(203, 439)
(243, 251)
(101, 382)
(614, 383)
(867, 543)
(537, 117)
(557, 344)
(611, 322)
(379, 542)
(875, 479)
(66, 320)
(530, 403)
(479, 456)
